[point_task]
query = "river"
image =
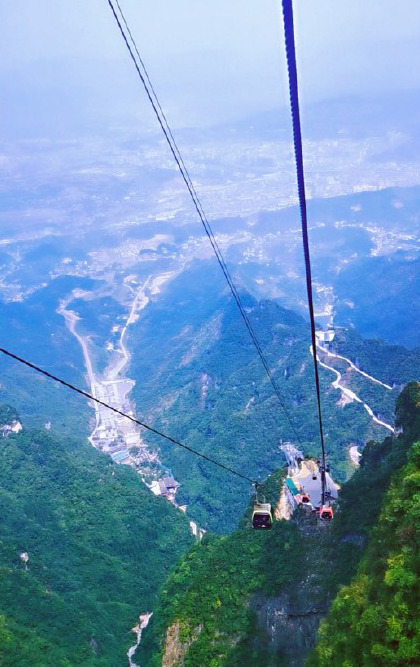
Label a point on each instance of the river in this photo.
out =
(138, 630)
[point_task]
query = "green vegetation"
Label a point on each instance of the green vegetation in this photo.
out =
(99, 546)
(7, 414)
(362, 497)
(374, 620)
(392, 364)
(211, 609)
(35, 331)
(205, 601)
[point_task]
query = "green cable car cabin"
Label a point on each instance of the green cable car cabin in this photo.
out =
(262, 517)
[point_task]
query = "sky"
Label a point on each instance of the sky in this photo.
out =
(209, 61)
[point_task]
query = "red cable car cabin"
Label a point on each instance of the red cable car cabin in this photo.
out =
(326, 513)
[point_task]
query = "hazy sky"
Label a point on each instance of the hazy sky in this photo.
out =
(208, 59)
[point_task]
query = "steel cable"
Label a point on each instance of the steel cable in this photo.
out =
(151, 94)
(123, 414)
(297, 140)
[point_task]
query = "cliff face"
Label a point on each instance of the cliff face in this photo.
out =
(258, 599)
(374, 620)
(175, 649)
(250, 599)
(290, 621)
(281, 627)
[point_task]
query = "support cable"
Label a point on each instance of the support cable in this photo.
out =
(297, 140)
(153, 99)
(123, 414)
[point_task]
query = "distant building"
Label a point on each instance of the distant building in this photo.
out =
(121, 456)
(168, 487)
(24, 557)
(133, 439)
(325, 336)
(113, 449)
(14, 427)
(170, 483)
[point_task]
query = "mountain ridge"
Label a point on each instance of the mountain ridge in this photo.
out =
(280, 584)
(86, 527)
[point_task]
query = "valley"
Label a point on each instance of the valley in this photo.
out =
(108, 280)
(114, 434)
(165, 355)
(155, 326)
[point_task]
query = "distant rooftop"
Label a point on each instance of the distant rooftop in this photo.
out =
(170, 483)
(119, 456)
(326, 336)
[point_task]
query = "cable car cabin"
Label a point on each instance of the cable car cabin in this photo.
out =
(306, 503)
(262, 518)
(326, 513)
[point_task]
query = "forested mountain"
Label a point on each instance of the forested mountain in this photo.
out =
(202, 382)
(109, 285)
(198, 378)
(98, 543)
(374, 621)
(257, 599)
(33, 328)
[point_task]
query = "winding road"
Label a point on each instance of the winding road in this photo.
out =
(140, 301)
(348, 392)
(71, 320)
(351, 364)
